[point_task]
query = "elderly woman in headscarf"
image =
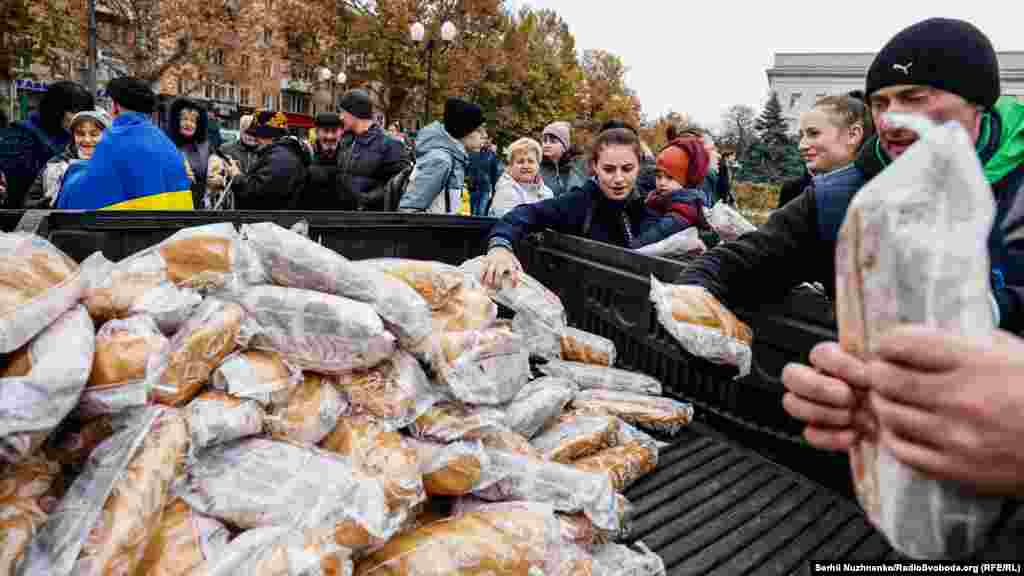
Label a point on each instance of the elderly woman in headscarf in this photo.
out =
(86, 129)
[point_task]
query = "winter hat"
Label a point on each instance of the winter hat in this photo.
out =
(461, 118)
(327, 120)
(98, 116)
(950, 55)
(357, 103)
(133, 94)
(561, 131)
(685, 161)
(269, 124)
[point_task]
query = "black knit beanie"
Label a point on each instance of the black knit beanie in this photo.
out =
(950, 55)
(358, 103)
(462, 117)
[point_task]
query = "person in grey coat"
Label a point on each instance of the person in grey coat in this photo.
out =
(562, 168)
(442, 157)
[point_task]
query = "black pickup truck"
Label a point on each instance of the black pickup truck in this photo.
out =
(738, 492)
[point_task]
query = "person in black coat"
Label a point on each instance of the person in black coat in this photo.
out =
(188, 127)
(278, 179)
(322, 188)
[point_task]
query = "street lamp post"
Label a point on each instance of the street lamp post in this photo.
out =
(418, 33)
(326, 75)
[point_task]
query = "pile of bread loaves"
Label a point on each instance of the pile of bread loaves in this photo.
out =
(251, 402)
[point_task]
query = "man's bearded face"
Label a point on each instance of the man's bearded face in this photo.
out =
(328, 137)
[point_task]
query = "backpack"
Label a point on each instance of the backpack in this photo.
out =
(395, 187)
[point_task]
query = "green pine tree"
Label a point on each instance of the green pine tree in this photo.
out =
(771, 125)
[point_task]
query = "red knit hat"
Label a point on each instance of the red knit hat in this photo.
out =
(685, 161)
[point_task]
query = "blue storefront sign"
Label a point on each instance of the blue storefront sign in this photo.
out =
(30, 85)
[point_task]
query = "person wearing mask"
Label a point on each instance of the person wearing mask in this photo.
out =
(86, 131)
(321, 189)
(438, 182)
(26, 146)
(242, 153)
(187, 126)
(562, 168)
(484, 173)
(278, 178)
(521, 183)
(678, 199)
(135, 165)
(367, 158)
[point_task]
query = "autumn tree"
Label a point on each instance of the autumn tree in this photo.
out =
(48, 31)
(738, 128)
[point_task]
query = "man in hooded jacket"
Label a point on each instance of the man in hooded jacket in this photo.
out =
(277, 181)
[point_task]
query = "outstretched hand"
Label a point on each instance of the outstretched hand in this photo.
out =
(500, 264)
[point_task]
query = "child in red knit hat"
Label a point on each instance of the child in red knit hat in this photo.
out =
(678, 198)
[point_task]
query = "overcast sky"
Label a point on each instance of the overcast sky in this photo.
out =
(701, 57)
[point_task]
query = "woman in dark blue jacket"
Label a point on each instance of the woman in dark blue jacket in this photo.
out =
(607, 208)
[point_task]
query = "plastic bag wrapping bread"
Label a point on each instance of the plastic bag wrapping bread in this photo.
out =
(315, 331)
(395, 392)
(38, 283)
(215, 417)
(283, 551)
(199, 346)
(618, 560)
(137, 285)
(580, 346)
(457, 301)
(702, 325)
(450, 469)
(310, 413)
(562, 486)
(537, 404)
(184, 543)
(509, 441)
(913, 250)
(589, 377)
(573, 436)
(113, 508)
(728, 222)
(118, 378)
(42, 383)
(507, 538)
(679, 244)
(624, 464)
(381, 453)
(256, 482)
(654, 413)
(292, 260)
(257, 375)
(24, 489)
(487, 366)
(452, 421)
(72, 445)
(541, 340)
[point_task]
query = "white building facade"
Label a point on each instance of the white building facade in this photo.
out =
(800, 79)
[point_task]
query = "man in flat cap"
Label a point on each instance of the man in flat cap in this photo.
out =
(321, 189)
(135, 166)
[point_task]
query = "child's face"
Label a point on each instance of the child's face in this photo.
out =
(824, 146)
(524, 167)
(665, 183)
(87, 136)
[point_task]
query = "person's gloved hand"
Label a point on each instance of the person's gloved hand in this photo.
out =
(500, 265)
(695, 305)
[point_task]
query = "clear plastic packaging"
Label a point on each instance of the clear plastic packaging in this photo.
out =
(215, 418)
(185, 543)
(624, 464)
(38, 283)
(310, 413)
(618, 560)
(509, 441)
(528, 297)
(452, 421)
(485, 367)
(542, 340)
(112, 510)
(283, 551)
(24, 489)
(679, 244)
(663, 415)
(581, 346)
(117, 382)
(313, 330)
(292, 260)
(257, 375)
(728, 222)
(73, 444)
(452, 469)
(574, 436)
(591, 377)
(717, 336)
(913, 250)
(395, 392)
(200, 345)
(42, 383)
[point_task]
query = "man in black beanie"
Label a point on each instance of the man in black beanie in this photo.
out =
(320, 191)
(442, 160)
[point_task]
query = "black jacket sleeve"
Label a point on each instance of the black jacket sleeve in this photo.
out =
(1010, 296)
(723, 188)
(561, 214)
(272, 180)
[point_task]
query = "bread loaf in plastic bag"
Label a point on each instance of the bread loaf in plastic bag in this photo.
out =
(528, 296)
(509, 441)
(619, 560)
(912, 249)
(573, 436)
(257, 375)
(184, 543)
(679, 244)
(73, 444)
(113, 508)
(283, 551)
(315, 331)
(292, 260)
(395, 392)
(654, 413)
(591, 377)
(624, 464)
(42, 383)
(720, 337)
(450, 469)
(487, 366)
(581, 346)
(310, 413)
(24, 489)
(199, 346)
(453, 421)
(728, 222)
(538, 404)
(215, 417)
(38, 283)
(124, 349)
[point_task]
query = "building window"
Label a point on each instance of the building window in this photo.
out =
(794, 98)
(243, 96)
(246, 62)
(208, 91)
(232, 90)
(268, 101)
(267, 36)
(217, 57)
